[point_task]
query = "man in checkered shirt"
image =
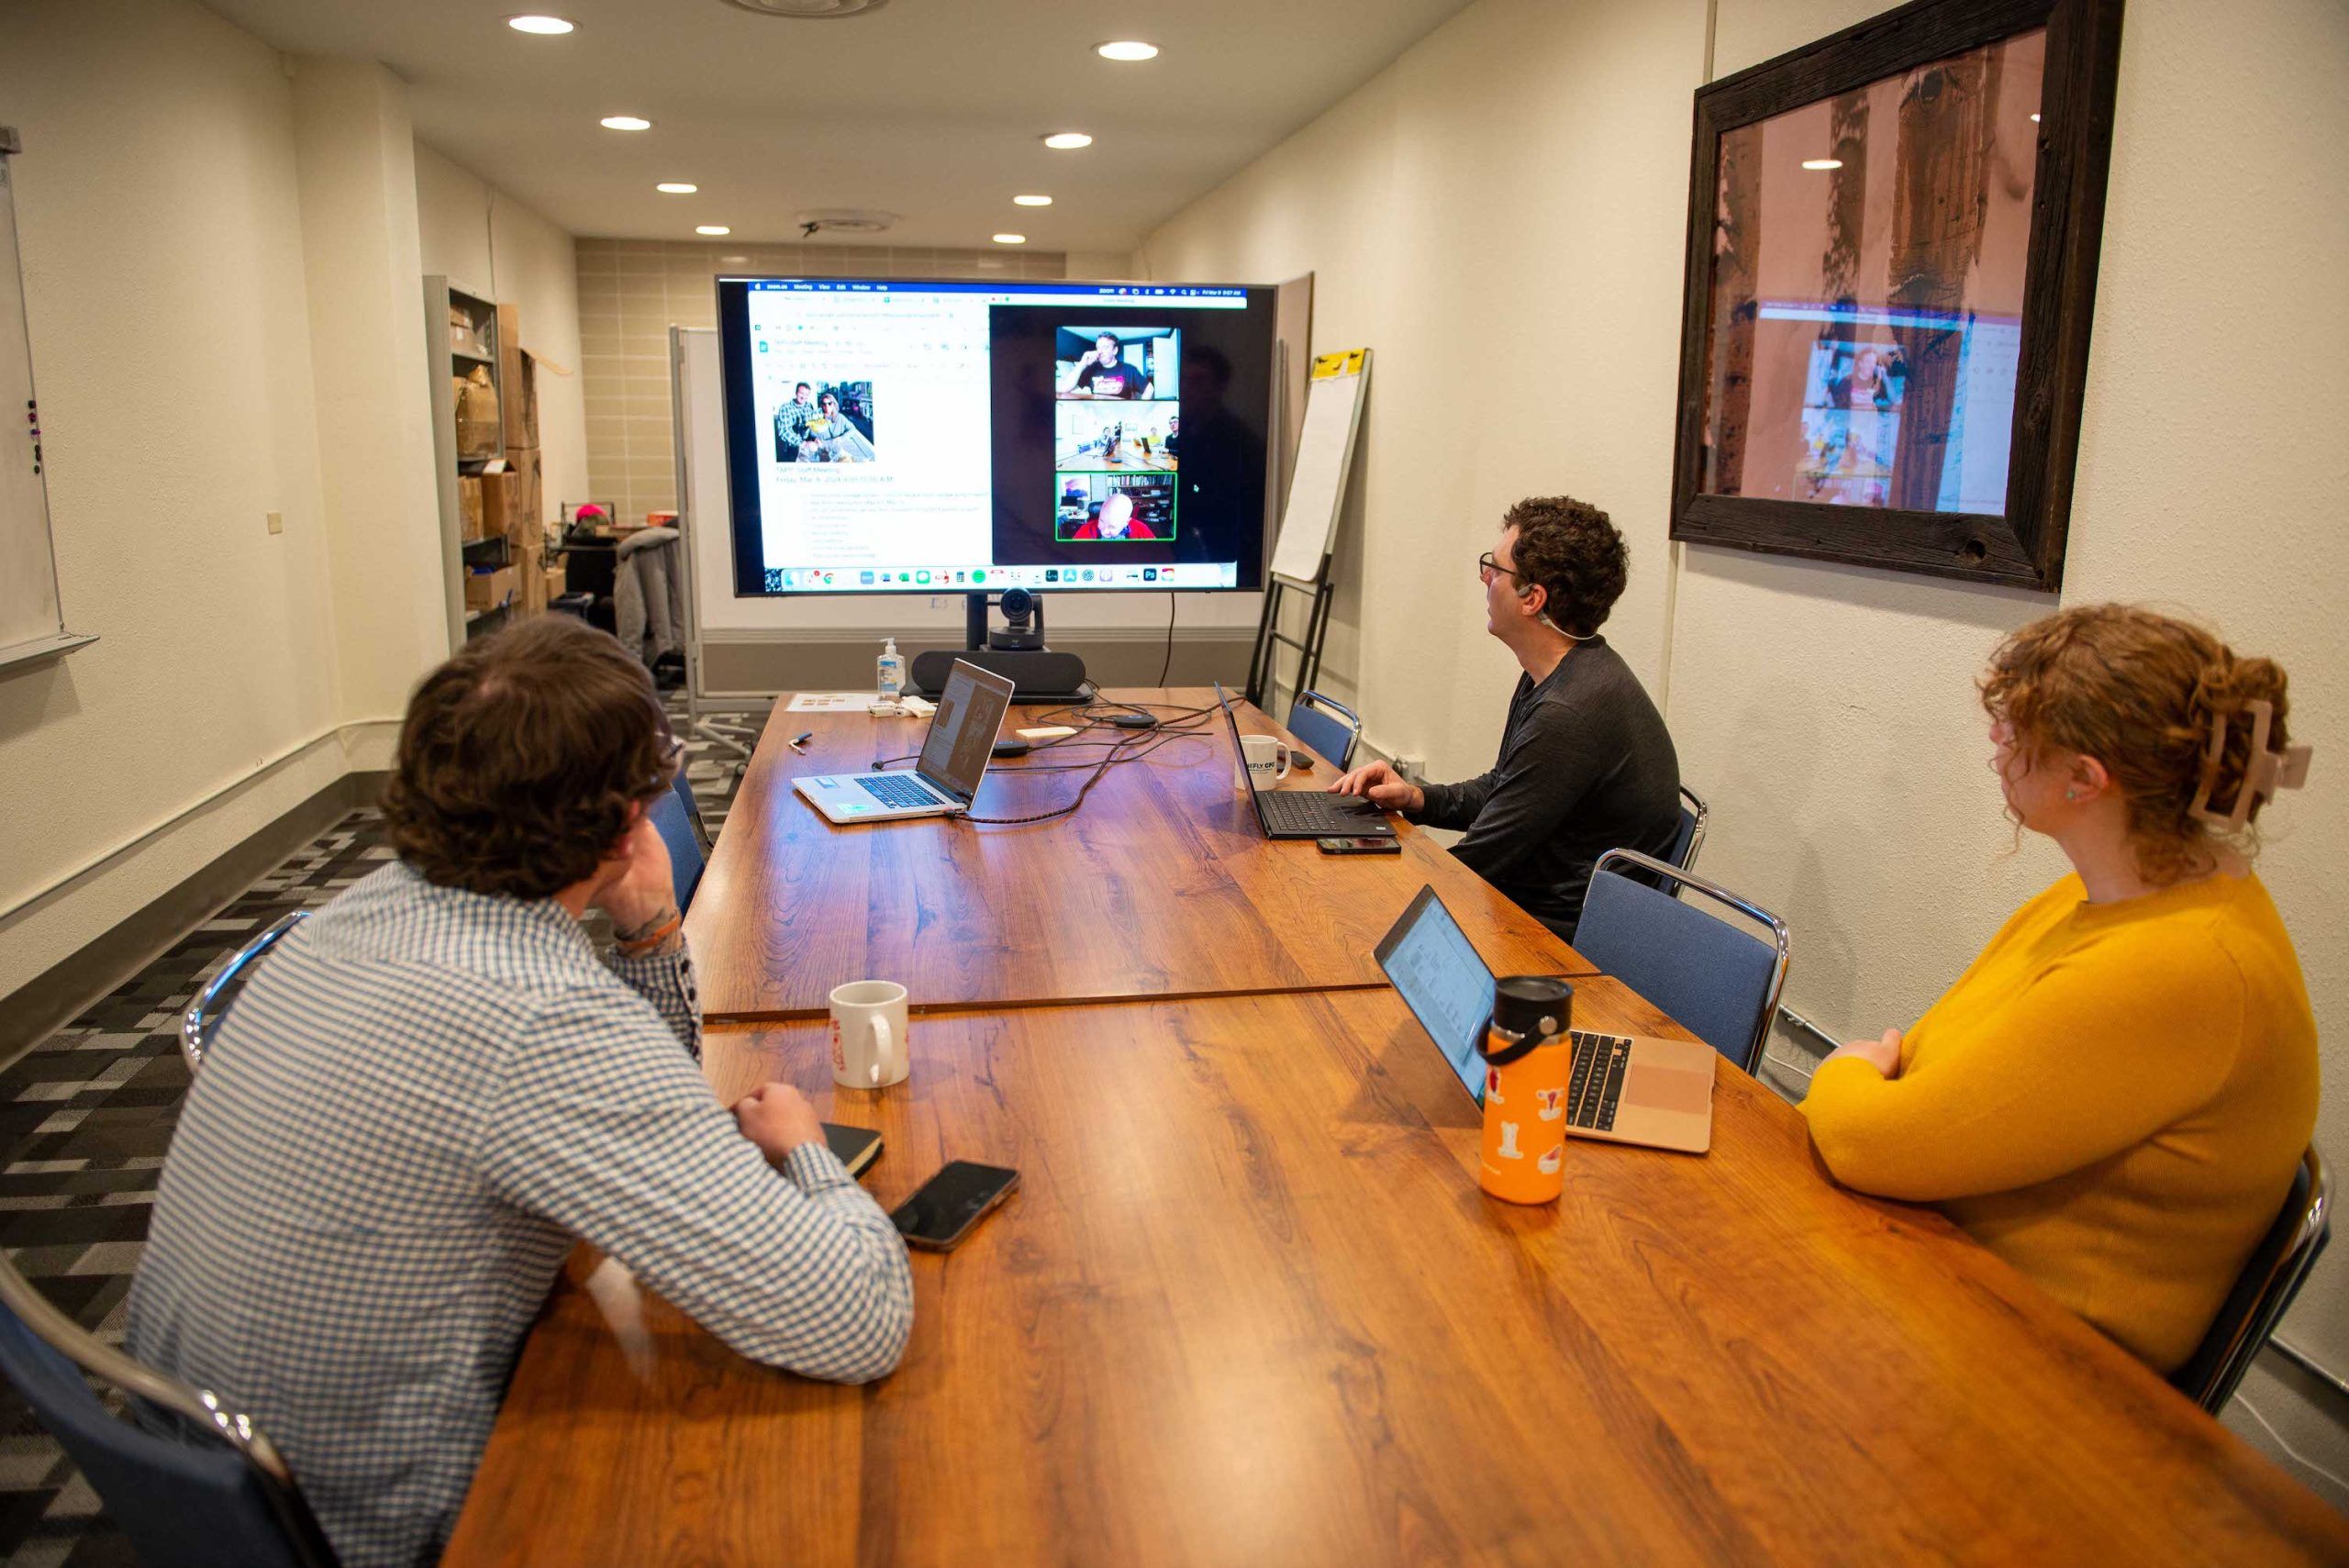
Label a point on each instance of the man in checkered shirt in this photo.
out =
(433, 1087)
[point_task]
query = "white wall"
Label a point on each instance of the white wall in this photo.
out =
(493, 246)
(161, 235)
(1500, 215)
(1482, 215)
(388, 578)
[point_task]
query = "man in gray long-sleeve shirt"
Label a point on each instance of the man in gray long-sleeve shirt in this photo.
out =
(1586, 764)
(433, 1086)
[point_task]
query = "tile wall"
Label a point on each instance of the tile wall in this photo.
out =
(632, 291)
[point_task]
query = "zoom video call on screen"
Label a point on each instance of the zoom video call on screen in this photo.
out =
(885, 436)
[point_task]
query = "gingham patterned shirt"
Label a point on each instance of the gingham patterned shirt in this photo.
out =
(418, 1102)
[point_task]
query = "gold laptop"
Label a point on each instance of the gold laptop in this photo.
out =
(1623, 1088)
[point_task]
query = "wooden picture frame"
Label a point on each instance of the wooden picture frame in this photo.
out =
(1724, 495)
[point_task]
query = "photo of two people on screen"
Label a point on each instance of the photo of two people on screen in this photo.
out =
(825, 422)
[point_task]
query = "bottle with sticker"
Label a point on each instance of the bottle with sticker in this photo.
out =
(1528, 1052)
(889, 671)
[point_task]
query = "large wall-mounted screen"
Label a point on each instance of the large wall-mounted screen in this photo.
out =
(897, 436)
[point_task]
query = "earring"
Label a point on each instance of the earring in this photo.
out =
(2071, 795)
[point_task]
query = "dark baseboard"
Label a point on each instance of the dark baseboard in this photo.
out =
(57, 996)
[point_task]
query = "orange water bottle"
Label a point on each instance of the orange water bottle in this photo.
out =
(1526, 1057)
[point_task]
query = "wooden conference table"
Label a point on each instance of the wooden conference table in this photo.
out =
(1160, 887)
(1249, 1306)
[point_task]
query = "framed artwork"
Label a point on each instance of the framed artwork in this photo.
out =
(1892, 256)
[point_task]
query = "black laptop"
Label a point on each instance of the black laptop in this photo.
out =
(1303, 813)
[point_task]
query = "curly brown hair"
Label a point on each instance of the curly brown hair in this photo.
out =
(2139, 692)
(520, 758)
(1571, 550)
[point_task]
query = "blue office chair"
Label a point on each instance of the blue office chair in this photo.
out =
(198, 1024)
(191, 1504)
(2270, 1278)
(1689, 836)
(678, 821)
(1329, 730)
(686, 798)
(1718, 982)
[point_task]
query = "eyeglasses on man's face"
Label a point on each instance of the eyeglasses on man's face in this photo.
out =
(1486, 567)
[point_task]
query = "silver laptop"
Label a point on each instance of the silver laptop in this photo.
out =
(1622, 1089)
(953, 758)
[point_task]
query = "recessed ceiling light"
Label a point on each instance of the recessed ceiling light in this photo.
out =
(1127, 49)
(676, 188)
(1031, 201)
(625, 122)
(1063, 141)
(1822, 163)
(1011, 239)
(549, 26)
(712, 228)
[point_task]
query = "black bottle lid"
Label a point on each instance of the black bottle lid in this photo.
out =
(1532, 1007)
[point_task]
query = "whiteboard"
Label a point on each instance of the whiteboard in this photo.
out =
(29, 608)
(1325, 454)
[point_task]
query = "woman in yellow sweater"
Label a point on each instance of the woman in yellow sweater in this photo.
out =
(2114, 1096)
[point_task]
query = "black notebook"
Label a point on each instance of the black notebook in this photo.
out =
(855, 1146)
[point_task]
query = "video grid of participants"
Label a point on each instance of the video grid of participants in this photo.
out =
(1116, 429)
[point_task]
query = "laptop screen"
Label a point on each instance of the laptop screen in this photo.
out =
(963, 731)
(1436, 970)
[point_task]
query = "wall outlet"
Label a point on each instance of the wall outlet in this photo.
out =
(276, 521)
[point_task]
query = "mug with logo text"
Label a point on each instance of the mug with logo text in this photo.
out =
(1268, 759)
(869, 1045)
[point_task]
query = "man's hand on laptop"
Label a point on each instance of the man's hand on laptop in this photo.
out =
(778, 1118)
(1385, 788)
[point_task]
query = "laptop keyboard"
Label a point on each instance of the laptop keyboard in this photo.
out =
(1597, 1086)
(1298, 811)
(891, 789)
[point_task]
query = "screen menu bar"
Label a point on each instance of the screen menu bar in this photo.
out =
(994, 579)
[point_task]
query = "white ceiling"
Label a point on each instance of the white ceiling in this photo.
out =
(932, 109)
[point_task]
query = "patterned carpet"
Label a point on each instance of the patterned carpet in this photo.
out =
(84, 1120)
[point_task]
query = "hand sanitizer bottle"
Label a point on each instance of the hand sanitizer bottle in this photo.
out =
(889, 671)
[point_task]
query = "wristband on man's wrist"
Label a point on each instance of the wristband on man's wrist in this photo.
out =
(652, 934)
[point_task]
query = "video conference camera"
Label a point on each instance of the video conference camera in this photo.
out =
(1015, 650)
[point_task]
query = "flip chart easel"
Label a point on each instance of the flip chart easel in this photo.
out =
(1308, 532)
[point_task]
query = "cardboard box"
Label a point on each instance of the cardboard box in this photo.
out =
(517, 379)
(479, 433)
(529, 500)
(556, 586)
(487, 590)
(469, 504)
(501, 504)
(530, 567)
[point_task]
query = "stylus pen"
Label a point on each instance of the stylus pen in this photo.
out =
(802, 739)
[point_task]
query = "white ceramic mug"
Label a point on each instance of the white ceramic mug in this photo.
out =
(1268, 759)
(869, 1035)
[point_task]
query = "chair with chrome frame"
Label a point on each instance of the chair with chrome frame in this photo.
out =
(1718, 982)
(184, 1504)
(1689, 836)
(2271, 1276)
(203, 1016)
(1328, 729)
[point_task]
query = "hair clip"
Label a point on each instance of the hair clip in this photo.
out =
(2268, 772)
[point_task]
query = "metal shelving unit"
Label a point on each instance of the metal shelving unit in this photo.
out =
(448, 361)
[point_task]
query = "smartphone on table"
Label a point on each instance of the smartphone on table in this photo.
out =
(1378, 846)
(950, 1202)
